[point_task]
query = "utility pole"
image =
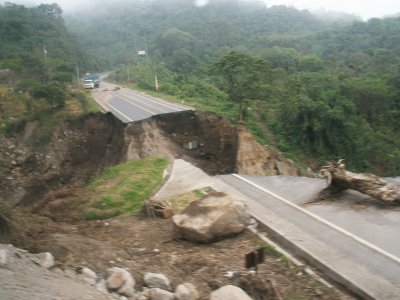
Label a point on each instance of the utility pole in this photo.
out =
(135, 54)
(127, 72)
(77, 75)
(44, 52)
(153, 65)
(156, 81)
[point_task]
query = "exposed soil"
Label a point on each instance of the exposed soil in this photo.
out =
(49, 182)
(81, 148)
(143, 244)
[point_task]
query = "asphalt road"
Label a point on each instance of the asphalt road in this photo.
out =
(356, 226)
(355, 235)
(129, 105)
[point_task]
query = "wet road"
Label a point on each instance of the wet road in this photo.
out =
(129, 105)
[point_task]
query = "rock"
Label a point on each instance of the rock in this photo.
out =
(121, 281)
(183, 293)
(155, 280)
(193, 291)
(58, 271)
(101, 286)
(70, 273)
(89, 273)
(3, 258)
(146, 292)
(212, 218)
(87, 280)
(46, 260)
(229, 292)
(160, 294)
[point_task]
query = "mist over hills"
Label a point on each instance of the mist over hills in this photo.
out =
(316, 89)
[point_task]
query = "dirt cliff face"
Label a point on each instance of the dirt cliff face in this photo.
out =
(81, 148)
(78, 150)
(255, 159)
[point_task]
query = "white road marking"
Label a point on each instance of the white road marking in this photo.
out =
(127, 100)
(155, 101)
(118, 111)
(323, 221)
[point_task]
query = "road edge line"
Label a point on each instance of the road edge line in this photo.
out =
(323, 221)
(121, 113)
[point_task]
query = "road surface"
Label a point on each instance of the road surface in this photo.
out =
(129, 105)
(354, 229)
(354, 240)
(329, 236)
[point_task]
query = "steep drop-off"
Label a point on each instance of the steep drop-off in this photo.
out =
(81, 148)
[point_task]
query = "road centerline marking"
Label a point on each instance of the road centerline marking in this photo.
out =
(155, 101)
(323, 221)
(127, 100)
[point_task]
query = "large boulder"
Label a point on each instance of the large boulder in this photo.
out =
(212, 218)
(229, 292)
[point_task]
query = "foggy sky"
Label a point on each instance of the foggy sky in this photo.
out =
(363, 8)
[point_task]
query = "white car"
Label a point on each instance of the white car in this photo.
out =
(88, 84)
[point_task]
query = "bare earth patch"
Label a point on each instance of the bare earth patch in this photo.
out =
(143, 244)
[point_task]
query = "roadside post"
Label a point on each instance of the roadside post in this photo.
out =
(254, 258)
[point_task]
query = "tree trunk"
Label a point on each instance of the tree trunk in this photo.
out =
(339, 180)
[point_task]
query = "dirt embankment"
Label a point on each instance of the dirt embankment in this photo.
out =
(81, 148)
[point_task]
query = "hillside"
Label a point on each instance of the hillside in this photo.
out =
(35, 43)
(316, 90)
(39, 60)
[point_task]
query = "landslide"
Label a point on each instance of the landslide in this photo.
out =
(81, 148)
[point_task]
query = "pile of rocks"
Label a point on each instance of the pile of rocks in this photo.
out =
(36, 276)
(157, 286)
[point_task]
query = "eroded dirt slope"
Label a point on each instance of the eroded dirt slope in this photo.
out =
(81, 148)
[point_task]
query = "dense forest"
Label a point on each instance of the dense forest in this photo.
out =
(39, 62)
(315, 88)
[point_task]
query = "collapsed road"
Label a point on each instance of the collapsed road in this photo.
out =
(347, 240)
(129, 105)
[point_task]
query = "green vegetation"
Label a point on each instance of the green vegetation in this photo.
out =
(38, 59)
(314, 90)
(271, 250)
(11, 227)
(36, 44)
(19, 108)
(180, 202)
(123, 188)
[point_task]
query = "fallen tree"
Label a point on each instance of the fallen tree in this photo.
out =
(339, 179)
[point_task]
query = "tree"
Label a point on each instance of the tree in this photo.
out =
(244, 78)
(286, 58)
(52, 10)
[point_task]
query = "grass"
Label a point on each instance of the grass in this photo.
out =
(271, 250)
(221, 107)
(180, 202)
(17, 109)
(11, 224)
(123, 188)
